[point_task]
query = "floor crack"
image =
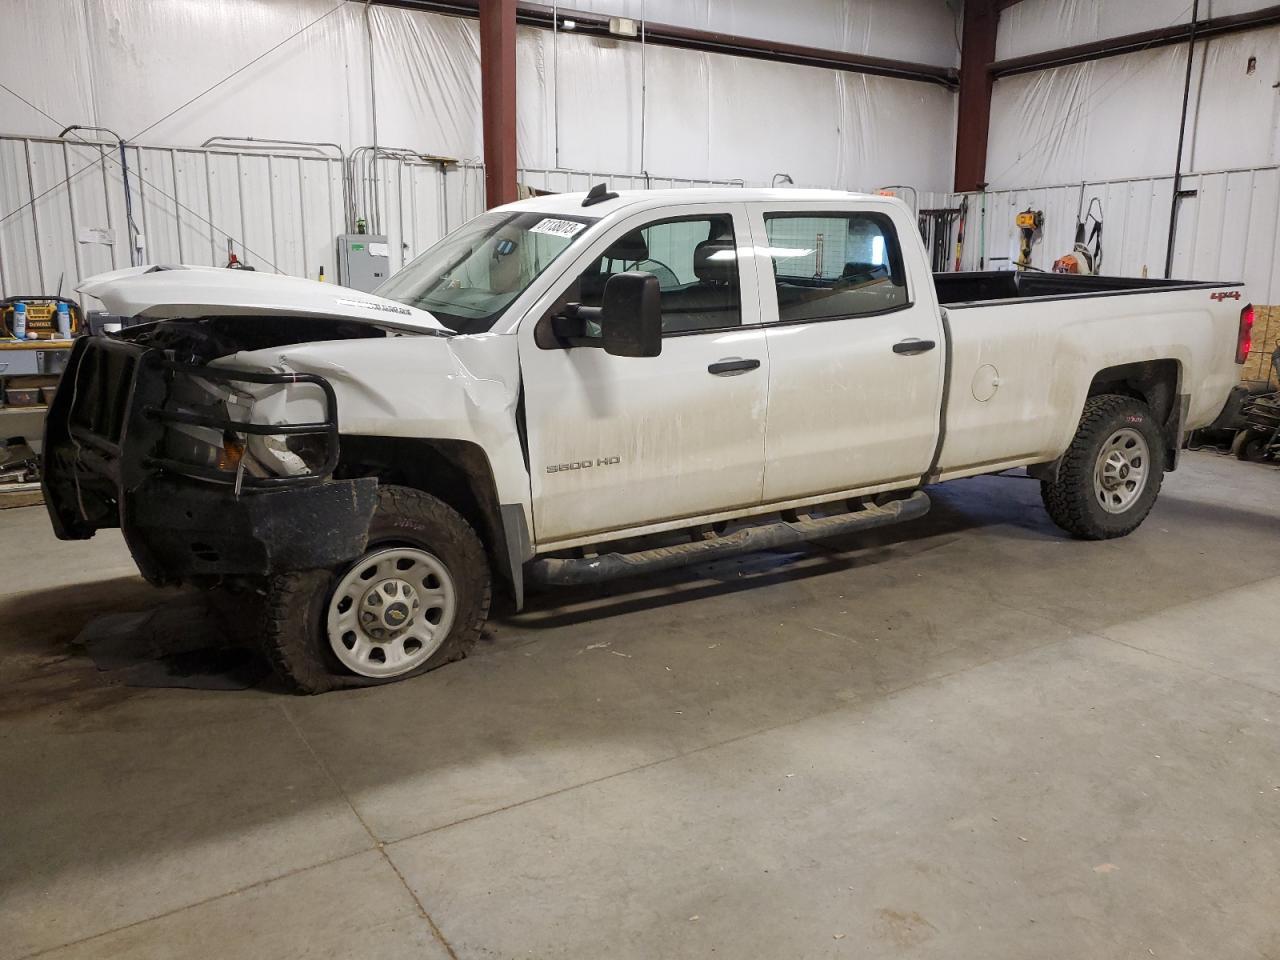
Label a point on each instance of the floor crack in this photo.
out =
(378, 843)
(884, 695)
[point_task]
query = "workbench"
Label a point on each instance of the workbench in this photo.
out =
(21, 357)
(25, 358)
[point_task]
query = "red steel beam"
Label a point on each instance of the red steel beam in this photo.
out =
(543, 15)
(973, 117)
(1133, 42)
(498, 99)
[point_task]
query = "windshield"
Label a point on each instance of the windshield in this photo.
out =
(470, 277)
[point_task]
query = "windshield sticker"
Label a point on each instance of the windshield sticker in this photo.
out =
(558, 228)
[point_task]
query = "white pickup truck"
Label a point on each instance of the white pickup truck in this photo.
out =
(578, 387)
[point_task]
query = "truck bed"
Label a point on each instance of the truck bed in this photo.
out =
(995, 286)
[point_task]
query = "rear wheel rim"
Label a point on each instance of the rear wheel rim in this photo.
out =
(1121, 471)
(391, 612)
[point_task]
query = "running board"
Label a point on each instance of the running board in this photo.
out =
(568, 572)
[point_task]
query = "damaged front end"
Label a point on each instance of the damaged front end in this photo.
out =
(211, 473)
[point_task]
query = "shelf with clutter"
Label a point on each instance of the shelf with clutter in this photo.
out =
(36, 337)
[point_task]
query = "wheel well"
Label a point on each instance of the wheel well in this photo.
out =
(456, 471)
(1156, 383)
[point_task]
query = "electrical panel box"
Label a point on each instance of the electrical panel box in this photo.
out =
(364, 261)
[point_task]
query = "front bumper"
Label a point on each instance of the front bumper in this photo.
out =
(105, 466)
(180, 530)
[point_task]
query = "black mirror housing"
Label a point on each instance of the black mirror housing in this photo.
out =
(631, 315)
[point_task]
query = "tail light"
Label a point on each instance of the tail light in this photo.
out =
(1244, 339)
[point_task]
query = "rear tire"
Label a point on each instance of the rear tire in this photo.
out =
(1110, 476)
(422, 558)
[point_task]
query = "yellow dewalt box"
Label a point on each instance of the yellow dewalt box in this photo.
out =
(42, 317)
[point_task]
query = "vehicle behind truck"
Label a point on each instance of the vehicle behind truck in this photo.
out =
(575, 388)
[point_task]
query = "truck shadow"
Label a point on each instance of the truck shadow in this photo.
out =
(958, 507)
(41, 662)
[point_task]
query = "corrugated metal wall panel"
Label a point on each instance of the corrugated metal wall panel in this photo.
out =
(63, 210)
(1227, 231)
(283, 210)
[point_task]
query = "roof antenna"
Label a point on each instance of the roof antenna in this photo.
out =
(598, 194)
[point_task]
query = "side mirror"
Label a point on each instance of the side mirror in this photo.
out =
(631, 315)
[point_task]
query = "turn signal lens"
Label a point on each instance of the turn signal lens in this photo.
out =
(232, 452)
(1244, 340)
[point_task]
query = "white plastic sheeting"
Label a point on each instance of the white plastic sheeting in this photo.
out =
(597, 103)
(427, 82)
(1033, 26)
(142, 68)
(923, 31)
(1119, 117)
(126, 64)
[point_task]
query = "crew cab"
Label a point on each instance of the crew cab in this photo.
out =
(578, 387)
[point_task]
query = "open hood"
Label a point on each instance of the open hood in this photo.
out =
(189, 292)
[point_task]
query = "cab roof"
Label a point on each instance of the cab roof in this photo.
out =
(571, 203)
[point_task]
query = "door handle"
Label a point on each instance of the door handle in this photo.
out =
(913, 346)
(732, 366)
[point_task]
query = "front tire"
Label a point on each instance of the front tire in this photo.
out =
(415, 600)
(1110, 476)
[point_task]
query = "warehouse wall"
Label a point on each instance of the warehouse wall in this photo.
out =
(1108, 129)
(168, 74)
(1118, 117)
(923, 31)
(279, 211)
(582, 102)
(1032, 26)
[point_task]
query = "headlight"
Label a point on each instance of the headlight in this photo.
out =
(275, 454)
(228, 449)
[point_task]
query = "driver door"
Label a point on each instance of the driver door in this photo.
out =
(625, 442)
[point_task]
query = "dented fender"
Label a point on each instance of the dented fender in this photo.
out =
(464, 388)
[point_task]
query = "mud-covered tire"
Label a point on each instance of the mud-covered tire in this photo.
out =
(1072, 499)
(293, 626)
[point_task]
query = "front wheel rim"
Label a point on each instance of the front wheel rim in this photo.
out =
(391, 611)
(1121, 471)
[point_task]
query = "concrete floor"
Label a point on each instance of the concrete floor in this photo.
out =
(967, 737)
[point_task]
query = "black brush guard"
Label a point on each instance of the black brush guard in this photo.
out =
(328, 427)
(104, 467)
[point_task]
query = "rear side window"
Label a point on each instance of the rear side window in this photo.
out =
(831, 266)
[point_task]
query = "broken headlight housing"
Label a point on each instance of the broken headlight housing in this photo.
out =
(248, 428)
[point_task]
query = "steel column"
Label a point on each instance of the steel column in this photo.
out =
(977, 51)
(498, 99)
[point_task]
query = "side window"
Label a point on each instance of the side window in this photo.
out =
(696, 262)
(828, 266)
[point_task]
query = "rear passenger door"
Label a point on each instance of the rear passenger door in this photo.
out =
(855, 348)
